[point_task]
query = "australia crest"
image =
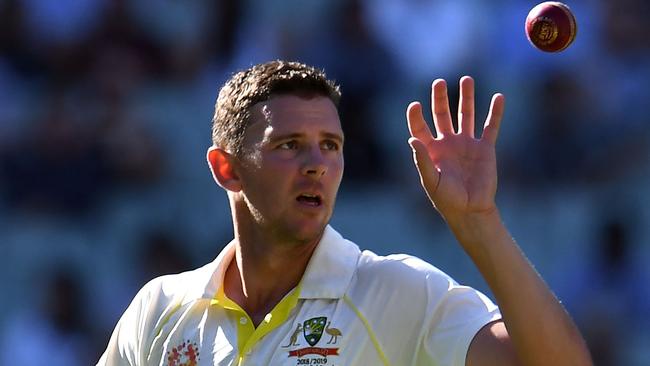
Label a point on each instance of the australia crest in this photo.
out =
(313, 329)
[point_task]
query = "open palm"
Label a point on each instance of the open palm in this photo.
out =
(457, 170)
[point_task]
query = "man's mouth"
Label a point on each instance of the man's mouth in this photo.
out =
(310, 199)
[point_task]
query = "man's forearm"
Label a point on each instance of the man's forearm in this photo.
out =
(539, 327)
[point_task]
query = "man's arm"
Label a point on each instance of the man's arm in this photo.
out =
(458, 173)
(541, 331)
(492, 346)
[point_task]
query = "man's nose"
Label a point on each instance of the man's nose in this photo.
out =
(315, 163)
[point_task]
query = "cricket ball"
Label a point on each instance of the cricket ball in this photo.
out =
(551, 26)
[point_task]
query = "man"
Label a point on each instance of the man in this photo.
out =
(289, 290)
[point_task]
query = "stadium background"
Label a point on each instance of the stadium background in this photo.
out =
(105, 109)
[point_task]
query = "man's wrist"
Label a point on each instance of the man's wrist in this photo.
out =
(475, 228)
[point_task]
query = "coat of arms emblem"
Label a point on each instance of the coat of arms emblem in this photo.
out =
(313, 329)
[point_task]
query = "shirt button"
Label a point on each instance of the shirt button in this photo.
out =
(243, 320)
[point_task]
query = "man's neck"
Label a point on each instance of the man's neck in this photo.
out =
(263, 272)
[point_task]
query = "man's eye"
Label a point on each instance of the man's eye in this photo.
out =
(330, 145)
(289, 145)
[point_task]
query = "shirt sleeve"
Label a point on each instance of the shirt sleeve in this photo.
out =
(458, 314)
(126, 343)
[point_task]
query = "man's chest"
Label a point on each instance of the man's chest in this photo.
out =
(316, 332)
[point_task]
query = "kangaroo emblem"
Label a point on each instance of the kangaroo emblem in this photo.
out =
(333, 332)
(294, 337)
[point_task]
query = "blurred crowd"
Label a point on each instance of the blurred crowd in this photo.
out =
(105, 112)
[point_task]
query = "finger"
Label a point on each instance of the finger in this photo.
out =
(466, 106)
(440, 107)
(429, 174)
(418, 127)
(493, 121)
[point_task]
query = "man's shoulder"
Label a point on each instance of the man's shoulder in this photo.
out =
(396, 264)
(402, 287)
(167, 286)
(173, 289)
(400, 271)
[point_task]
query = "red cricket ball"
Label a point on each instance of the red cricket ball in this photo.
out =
(551, 26)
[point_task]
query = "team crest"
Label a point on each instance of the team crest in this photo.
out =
(313, 329)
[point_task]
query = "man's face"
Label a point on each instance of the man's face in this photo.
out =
(291, 166)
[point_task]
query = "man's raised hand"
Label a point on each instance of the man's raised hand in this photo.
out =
(457, 170)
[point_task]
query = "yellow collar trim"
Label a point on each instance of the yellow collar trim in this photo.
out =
(247, 334)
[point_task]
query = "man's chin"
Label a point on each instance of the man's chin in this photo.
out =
(305, 233)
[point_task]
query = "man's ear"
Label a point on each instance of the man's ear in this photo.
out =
(223, 170)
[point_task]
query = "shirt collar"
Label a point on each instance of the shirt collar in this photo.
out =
(207, 279)
(328, 273)
(330, 268)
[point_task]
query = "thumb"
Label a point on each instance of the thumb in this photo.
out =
(429, 174)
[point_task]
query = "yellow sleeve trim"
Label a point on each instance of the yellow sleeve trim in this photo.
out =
(371, 333)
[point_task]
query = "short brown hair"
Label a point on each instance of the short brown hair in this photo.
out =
(232, 111)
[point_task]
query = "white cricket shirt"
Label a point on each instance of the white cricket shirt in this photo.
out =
(350, 308)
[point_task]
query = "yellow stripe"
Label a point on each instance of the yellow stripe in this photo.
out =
(166, 319)
(373, 338)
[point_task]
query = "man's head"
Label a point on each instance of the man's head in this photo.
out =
(278, 150)
(257, 84)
